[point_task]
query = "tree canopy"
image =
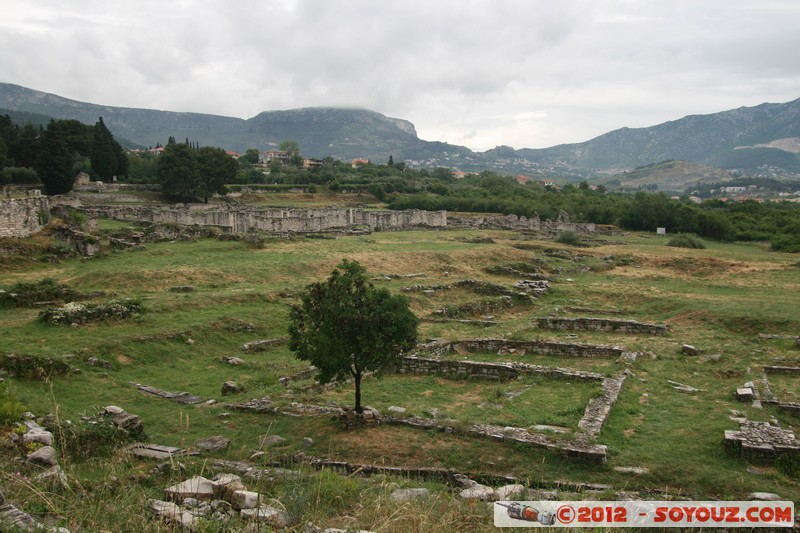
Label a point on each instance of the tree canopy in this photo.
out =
(195, 173)
(345, 326)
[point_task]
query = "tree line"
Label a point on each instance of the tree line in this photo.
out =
(54, 155)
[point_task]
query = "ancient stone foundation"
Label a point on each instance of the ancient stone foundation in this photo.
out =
(24, 216)
(515, 223)
(761, 442)
(243, 219)
(601, 324)
(561, 349)
(582, 445)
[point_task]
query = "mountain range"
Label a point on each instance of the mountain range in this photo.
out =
(761, 140)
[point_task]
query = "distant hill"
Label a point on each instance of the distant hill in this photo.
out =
(763, 140)
(670, 176)
(730, 139)
(341, 133)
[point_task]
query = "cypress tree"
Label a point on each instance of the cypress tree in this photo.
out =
(54, 162)
(104, 159)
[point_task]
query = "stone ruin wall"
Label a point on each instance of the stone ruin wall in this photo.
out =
(532, 347)
(515, 223)
(243, 220)
(582, 445)
(601, 324)
(22, 217)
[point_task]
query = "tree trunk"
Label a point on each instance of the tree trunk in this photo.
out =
(357, 379)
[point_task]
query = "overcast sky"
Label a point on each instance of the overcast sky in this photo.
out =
(478, 73)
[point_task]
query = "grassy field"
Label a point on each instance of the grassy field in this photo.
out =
(718, 299)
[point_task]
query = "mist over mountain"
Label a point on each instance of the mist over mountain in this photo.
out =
(763, 140)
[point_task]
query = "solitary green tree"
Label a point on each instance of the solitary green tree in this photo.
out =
(345, 326)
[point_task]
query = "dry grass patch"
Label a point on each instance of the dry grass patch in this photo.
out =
(157, 280)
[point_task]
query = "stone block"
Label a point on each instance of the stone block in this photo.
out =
(404, 495)
(245, 499)
(231, 387)
(745, 394)
(217, 443)
(510, 492)
(197, 487)
(269, 515)
(688, 349)
(477, 492)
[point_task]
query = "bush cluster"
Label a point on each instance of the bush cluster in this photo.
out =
(76, 313)
(686, 241)
(33, 366)
(11, 408)
(25, 294)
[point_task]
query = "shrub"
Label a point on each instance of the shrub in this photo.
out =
(32, 366)
(569, 238)
(82, 313)
(685, 240)
(11, 409)
(25, 294)
(786, 243)
(88, 438)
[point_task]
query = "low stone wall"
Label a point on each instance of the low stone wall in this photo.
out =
(583, 450)
(482, 370)
(22, 217)
(598, 409)
(601, 324)
(457, 369)
(440, 347)
(782, 369)
(787, 407)
(761, 442)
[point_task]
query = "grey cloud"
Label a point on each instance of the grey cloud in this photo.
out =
(523, 73)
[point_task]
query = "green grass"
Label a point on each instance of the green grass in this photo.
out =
(541, 401)
(718, 299)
